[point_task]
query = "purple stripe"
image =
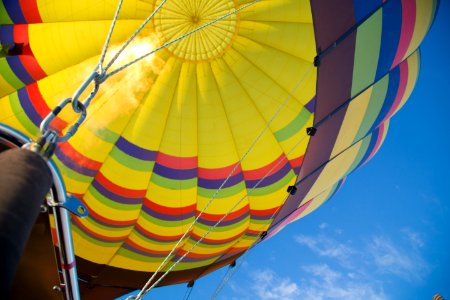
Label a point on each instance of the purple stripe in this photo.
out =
(195, 259)
(213, 184)
(135, 151)
(7, 35)
(179, 174)
(138, 230)
(18, 68)
(146, 254)
(73, 165)
(225, 222)
(15, 11)
(167, 217)
(311, 104)
(97, 238)
(113, 196)
(98, 221)
(28, 107)
(269, 180)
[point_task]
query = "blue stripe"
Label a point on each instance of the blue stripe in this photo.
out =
(113, 196)
(391, 94)
(18, 68)
(7, 35)
(73, 165)
(135, 151)
(269, 180)
(373, 142)
(213, 184)
(179, 174)
(15, 11)
(28, 107)
(364, 7)
(391, 29)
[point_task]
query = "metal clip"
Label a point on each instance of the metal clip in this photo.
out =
(44, 128)
(95, 77)
(72, 204)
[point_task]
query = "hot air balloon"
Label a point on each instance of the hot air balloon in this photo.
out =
(238, 118)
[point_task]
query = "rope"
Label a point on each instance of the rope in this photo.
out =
(188, 292)
(179, 38)
(134, 35)
(108, 37)
(146, 287)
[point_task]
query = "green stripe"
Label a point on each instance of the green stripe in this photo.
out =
(223, 228)
(224, 192)
(21, 115)
(131, 162)
(94, 223)
(190, 265)
(174, 184)
(165, 223)
(4, 17)
(278, 185)
(71, 173)
(139, 257)
(361, 153)
(376, 101)
(295, 126)
(367, 51)
(95, 241)
(104, 133)
(9, 75)
(191, 242)
(111, 203)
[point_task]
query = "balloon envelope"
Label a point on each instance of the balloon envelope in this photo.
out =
(221, 115)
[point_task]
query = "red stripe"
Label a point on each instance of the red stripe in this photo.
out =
(157, 236)
(32, 66)
(96, 235)
(181, 252)
(219, 173)
(263, 212)
(408, 24)
(96, 216)
(30, 11)
(67, 266)
(296, 162)
(166, 210)
(217, 242)
(264, 171)
(231, 216)
(118, 189)
(41, 107)
(82, 160)
(54, 236)
(175, 162)
(140, 248)
(403, 82)
(20, 34)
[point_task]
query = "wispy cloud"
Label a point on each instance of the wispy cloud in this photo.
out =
(391, 258)
(267, 286)
(326, 283)
(326, 246)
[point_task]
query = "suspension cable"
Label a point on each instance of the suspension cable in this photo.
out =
(106, 76)
(130, 39)
(146, 287)
(108, 37)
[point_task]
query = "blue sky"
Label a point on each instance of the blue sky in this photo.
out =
(386, 233)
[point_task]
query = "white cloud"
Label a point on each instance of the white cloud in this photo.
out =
(390, 258)
(325, 283)
(323, 225)
(325, 246)
(414, 237)
(268, 286)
